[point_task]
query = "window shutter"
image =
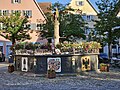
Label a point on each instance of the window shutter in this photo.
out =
(12, 1)
(30, 13)
(19, 1)
(0, 12)
(7, 12)
(23, 12)
(12, 11)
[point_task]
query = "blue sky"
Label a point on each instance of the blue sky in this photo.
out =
(66, 1)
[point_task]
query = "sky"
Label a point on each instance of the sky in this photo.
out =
(67, 1)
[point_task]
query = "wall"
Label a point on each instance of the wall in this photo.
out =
(24, 5)
(68, 63)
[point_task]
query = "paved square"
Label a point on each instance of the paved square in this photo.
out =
(87, 81)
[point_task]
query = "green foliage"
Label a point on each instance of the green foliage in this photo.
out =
(107, 20)
(71, 25)
(103, 64)
(27, 46)
(51, 71)
(48, 28)
(84, 46)
(14, 27)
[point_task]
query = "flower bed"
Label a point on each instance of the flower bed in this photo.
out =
(84, 47)
(71, 48)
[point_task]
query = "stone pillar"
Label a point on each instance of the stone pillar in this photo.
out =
(56, 28)
(97, 68)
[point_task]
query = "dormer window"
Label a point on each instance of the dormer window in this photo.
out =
(79, 3)
(16, 1)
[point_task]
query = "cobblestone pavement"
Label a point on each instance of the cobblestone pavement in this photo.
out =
(87, 81)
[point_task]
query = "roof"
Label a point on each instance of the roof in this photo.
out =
(40, 9)
(2, 39)
(45, 6)
(35, 37)
(84, 7)
(92, 6)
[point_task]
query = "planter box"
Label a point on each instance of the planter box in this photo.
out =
(104, 68)
(51, 75)
(10, 68)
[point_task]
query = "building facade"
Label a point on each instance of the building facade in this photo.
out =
(27, 8)
(88, 12)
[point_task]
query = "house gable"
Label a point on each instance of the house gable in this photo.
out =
(45, 6)
(84, 5)
(24, 5)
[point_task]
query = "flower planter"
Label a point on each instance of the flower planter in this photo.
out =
(10, 68)
(104, 68)
(51, 74)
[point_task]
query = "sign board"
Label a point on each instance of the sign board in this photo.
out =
(54, 64)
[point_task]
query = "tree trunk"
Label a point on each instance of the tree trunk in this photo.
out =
(109, 50)
(13, 41)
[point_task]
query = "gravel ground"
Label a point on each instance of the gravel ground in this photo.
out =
(87, 81)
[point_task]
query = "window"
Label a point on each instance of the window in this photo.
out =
(33, 26)
(16, 1)
(15, 11)
(5, 12)
(27, 26)
(27, 13)
(39, 27)
(87, 30)
(79, 3)
(90, 17)
(0, 12)
(1, 26)
(84, 17)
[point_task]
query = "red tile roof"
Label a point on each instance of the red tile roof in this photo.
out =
(45, 6)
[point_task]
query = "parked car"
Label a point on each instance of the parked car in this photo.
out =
(103, 58)
(115, 61)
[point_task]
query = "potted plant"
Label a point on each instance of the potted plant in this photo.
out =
(10, 68)
(104, 67)
(51, 74)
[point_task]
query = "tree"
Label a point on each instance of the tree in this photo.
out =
(13, 27)
(71, 25)
(107, 21)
